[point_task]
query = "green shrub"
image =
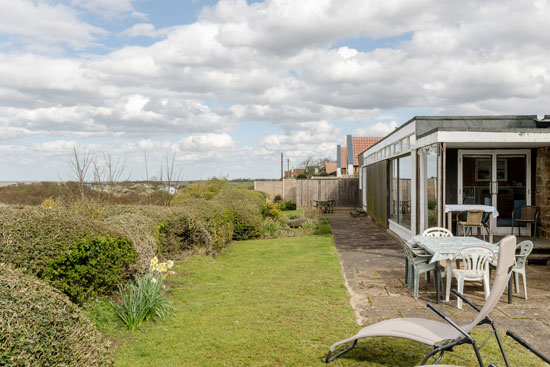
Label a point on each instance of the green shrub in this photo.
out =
(79, 255)
(277, 199)
(323, 227)
(42, 327)
(180, 234)
(301, 176)
(271, 211)
(288, 205)
(244, 210)
(432, 204)
(201, 190)
(91, 267)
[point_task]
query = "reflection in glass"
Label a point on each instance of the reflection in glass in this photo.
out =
(400, 191)
(405, 191)
(431, 189)
(393, 191)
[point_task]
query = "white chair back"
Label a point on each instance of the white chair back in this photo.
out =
(506, 262)
(476, 260)
(437, 232)
(525, 248)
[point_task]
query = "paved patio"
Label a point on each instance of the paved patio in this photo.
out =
(373, 268)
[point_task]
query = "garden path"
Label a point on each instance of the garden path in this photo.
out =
(373, 268)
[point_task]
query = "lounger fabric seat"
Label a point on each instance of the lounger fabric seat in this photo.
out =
(421, 330)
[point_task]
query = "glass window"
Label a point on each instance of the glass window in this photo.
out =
(394, 204)
(400, 191)
(431, 189)
(405, 191)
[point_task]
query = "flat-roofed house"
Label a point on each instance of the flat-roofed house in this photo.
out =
(408, 177)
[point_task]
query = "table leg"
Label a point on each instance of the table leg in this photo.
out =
(450, 221)
(510, 289)
(448, 280)
(491, 228)
(437, 283)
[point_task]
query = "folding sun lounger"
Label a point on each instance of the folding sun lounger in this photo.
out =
(444, 336)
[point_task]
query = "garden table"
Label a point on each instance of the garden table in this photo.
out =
(444, 248)
(451, 208)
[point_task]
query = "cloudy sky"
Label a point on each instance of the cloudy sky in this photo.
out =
(230, 84)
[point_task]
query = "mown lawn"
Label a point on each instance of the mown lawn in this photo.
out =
(279, 302)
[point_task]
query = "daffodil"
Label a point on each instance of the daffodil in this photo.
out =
(169, 264)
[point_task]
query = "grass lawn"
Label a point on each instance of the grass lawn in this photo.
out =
(279, 302)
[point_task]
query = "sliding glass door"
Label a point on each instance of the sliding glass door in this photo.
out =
(500, 178)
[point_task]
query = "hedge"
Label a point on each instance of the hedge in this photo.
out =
(79, 255)
(41, 327)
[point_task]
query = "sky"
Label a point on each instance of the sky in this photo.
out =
(228, 85)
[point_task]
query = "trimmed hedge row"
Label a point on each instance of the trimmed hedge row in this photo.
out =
(78, 255)
(41, 327)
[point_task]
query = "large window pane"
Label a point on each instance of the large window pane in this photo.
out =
(431, 188)
(405, 191)
(394, 180)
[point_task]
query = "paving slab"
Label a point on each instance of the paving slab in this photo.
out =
(373, 267)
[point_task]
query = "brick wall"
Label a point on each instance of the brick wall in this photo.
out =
(542, 192)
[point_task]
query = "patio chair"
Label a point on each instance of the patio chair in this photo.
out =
(528, 214)
(437, 232)
(433, 332)
(474, 219)
(419, 263)
(525, 248)
(475, 266)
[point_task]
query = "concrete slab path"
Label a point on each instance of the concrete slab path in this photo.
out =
(373, 267)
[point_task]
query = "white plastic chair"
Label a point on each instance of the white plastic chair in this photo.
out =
(525, 249)
(475, 266)
(418, 262)
(437, 232)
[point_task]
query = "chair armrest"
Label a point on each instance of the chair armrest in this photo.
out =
(526, 345)
(451, 322)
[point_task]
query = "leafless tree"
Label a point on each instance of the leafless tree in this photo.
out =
(114, 169)
(79, 165)
(98, 177)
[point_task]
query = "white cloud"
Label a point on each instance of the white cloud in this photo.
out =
(270, 62)
(36, 21)
(206, 142)
(378, 129)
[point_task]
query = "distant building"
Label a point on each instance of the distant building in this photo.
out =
(347, 162)
(295, 172)
(330, 167)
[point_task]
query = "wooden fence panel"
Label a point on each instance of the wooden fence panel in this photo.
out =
(344, 191)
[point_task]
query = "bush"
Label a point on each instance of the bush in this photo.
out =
(244, 210)
(91, 267)
(79, 255)
(143, 297)
(301, 176)
(41, 327)
(271, 211)
(201, 190)
(288, 205)
(277, 199)
(323, 227)
(432, 204)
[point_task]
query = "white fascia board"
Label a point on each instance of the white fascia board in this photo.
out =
(408, 130)
(485, 137)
